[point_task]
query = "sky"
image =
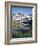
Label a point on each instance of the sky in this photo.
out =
(22, 10)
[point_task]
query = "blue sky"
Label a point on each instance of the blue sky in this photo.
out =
(22, 10)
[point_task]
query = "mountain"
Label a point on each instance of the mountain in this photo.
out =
(25, 20)
(22, 17)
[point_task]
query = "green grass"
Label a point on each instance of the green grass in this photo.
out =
(21, 34)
